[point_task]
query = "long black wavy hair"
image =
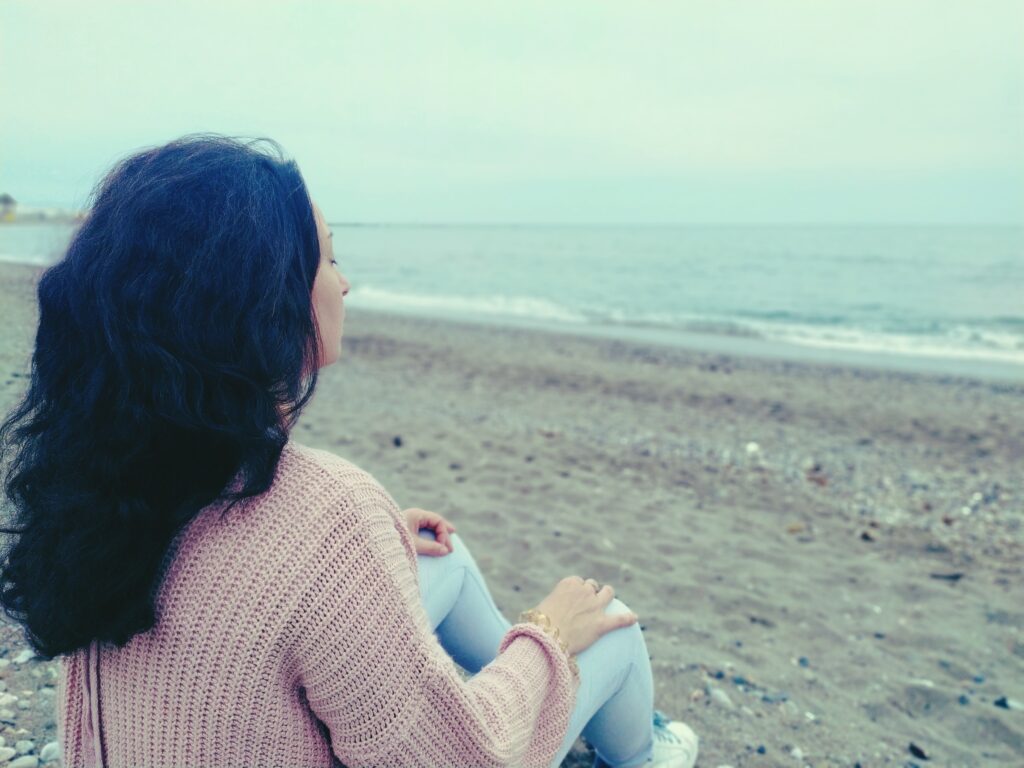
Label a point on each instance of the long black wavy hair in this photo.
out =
(176, 347)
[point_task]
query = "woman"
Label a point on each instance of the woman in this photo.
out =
(222, 595)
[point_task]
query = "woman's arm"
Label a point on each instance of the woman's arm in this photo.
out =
(376, 675)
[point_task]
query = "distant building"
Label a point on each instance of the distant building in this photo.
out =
(8, 206)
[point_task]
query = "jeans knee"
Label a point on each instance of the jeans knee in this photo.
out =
(626, 638)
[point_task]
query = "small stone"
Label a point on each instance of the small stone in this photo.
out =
(6, 753)
(917, 752)
(25, 746)
(7, 699)
(25, 761)
(753, 449)
(24, 656)
(796, 753)
(50, 752)
(721, 698)
(24, 704)
(6, 714)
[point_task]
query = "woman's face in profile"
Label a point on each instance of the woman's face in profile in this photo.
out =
(329, 289)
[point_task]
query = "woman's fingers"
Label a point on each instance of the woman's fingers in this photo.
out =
(428, 547)
(445, 539)
(619, 620)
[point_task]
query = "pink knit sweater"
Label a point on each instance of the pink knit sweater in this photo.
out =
(293, 629)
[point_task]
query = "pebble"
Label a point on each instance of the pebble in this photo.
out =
(25, 746)
(24, 656)
(753, 449)
(6, 753)
(24, 704)
(796, 753)
(7, 699)
(721, 698)
(25, 761)
(50, 752)
(6, 714)
(1007, 703)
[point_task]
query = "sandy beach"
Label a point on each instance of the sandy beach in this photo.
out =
(826, 560)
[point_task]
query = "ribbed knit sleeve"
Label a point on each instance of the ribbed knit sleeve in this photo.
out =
(376, 675)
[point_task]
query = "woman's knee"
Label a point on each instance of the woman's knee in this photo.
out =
(626, 639)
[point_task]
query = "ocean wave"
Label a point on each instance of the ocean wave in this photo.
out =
(956, 342)
(32, 259)
(996, 341)
(493, 305)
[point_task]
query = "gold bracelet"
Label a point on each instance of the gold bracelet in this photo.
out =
(534, 616)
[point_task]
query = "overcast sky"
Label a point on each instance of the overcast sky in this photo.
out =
(771, 111)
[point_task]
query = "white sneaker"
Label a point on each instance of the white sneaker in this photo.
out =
(675, 743)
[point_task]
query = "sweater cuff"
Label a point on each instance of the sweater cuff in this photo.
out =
(564, 672)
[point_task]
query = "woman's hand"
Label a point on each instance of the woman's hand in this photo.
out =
(579, 612)
(421, 518)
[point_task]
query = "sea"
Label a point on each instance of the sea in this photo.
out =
(935, 298)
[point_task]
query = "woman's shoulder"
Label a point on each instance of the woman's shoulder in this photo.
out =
(317, 474)
(334, 493)
(317, 464)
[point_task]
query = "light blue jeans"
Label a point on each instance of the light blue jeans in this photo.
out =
(614, 708)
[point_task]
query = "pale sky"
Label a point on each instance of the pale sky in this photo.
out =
(580, 112)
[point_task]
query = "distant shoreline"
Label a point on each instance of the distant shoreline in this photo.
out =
(727, 345)
(739, 346)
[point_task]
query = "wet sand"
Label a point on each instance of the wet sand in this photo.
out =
(826, 560)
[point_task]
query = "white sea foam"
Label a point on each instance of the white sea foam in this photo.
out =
(493, 305)
(960, 342)
(33, 259)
